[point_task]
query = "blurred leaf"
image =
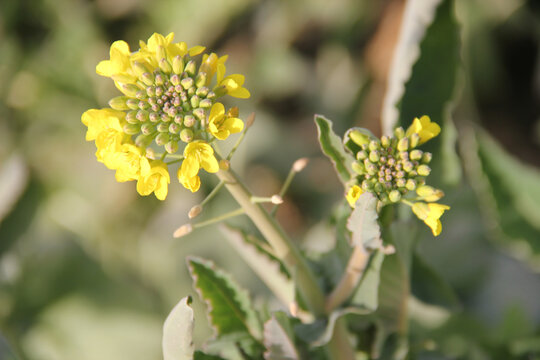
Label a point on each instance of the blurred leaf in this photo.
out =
(278, 339)
(177, 342)
(269, 269)
(430, 38)
(332, 147)
(528, 346)
(516, 191)
(13, 181)
(366, 294)
(229, 308)
(363, 223)
(6, 353)
(430, 287)
(199, 355)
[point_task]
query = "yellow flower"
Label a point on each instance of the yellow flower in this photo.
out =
(211, 64)
(197, 154)
(108, 143)
(100, 120)
(222, 125)
(353, 194)
(154, 178)
(424, 128)
(119, 63)
(193, 184)
(430, 214)
(127, 162)
(233, 86)
(160, 46)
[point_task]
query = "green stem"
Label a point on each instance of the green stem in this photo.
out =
(339, 347)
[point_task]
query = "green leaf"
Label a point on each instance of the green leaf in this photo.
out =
(229, 308)
(429, 39)
(279, 339)
(269, 269)
(363, 223)
(333, 148)
(515, 192)
(366, 295)
(430, 287)
(199, 355)
(177, 340)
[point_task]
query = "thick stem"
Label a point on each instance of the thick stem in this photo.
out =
(349, 280)
(283, 247)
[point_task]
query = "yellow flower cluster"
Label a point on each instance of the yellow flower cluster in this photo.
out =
(392, 167)
(169, 99)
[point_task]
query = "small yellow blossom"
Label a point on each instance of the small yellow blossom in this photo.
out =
(108, 143)
(353, 194)
(211, 64)
(100, 120)
(193, 184)
(424, 128)
(154, 178)
(221, 125)
(119, 63)
(127, 162)
(197, 154)
(430, 214)
(233, 86)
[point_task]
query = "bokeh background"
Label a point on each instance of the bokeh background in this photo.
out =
(89, 269)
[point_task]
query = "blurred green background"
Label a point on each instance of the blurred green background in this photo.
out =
(89, 269)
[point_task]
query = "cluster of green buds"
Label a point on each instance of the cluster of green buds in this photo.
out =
(391, 166)
(172, 105)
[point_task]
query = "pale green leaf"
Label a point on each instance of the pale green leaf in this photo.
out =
(229, 307)
(363, 222)
(333, 148)
(265, 265)
(177, 340)
(366, 295)
(278, 339)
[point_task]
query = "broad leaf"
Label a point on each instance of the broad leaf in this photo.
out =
(199, 355)
(229, 307)
(279, 339)
(515, 189)
(333, 148)
(177, 340)
(363, 223)
(265, 265)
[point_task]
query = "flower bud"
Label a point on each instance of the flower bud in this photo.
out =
(131, 117)
(374, 156)
(129, 89)
(300, 164)
(408, 166)
(358, 168)
(131, 129)
(426, 158)
(428, 193)
(190, 68)
(403, 144)
(186, 135)
(133, 104)
(162, 139)
(148, 79)
(199, 114)
(200, 79)
(143, 140)
(394, 196)
(147, 128)
(195, 211)
(359, 137)
(385, 141)
(202, 91)
(165, 66)
(423, 170)
(205, 103)
(374, 145)
(361, 155)
(162, 127)
(189, 120)
(399, 133)
(186, 83)
(415, 140)
(410, 185)
(194, 101)
(153, 117)
(178, 64)
(171, 147)
(142, 115)
(119, 103)
(415, 155)
(139, 68)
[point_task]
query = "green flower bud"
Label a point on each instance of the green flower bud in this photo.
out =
(130, 89)
(163, 127)
(131, 117)
(359, 137)
(410, 185)
(174, 128)
(358, 168)
(175, 79)
(162, 139)
(133, 104)
(378, 187)
(119, 103)
(153, 117)
(187, 83)
(423, 170)
(143, 105)
(374, 156)
(199, 114)
(186, 135)
(205, 103)
(415, 139)
(171, 147)
(143, 140)
(139, 68)
(147, 128)
(371, 169)
(178, 64)
(401, 183)
(159, 80)
(141, 95)
(142, 115)
(383, 198)
(426, 158)
(148, 79)
(399, 133)
(408, 166)
(200, 80)
(403, 144)
(131, 129)
(361, 155)
(179, 119)
(415, 155)
(191, 68)
(385, 141)
(189, 120)
(374, 145)
(194, 101)
(394, 196)
(202, 91)
(165, 66)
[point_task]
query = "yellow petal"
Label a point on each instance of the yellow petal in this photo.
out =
(233, 125)
(217, 112)
(425, 128)
(353, 194)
